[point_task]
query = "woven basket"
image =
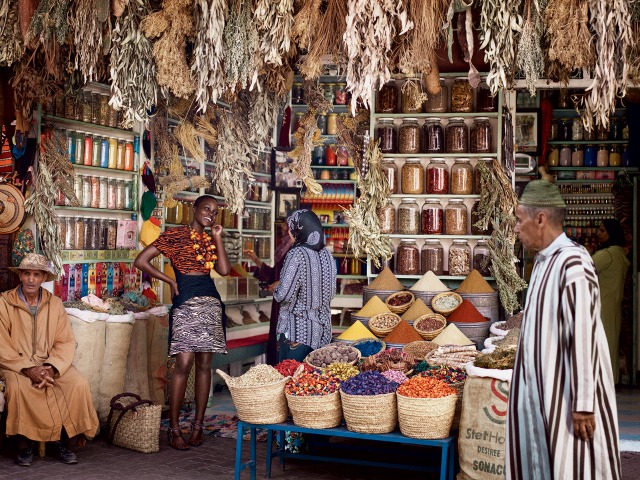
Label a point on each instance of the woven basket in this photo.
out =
(379, 331)
(259, 404)
(134, 423)
(370, 413)
(425, 345)
(430, 334)
(316, 411)
(448, 311)
(400, 309)
(333, 345)
(426, 418)
(458, 412)
(383, 345)
(368, 293)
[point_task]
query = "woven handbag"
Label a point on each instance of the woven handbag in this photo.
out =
(134, 423)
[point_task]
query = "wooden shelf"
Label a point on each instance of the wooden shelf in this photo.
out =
(421, 236)
(89, 127)
(104, 170)
(437, 115)
(98, 210)
(432, 195)
(440, 155)
(610, 169)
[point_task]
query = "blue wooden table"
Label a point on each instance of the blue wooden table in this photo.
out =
(447, 446)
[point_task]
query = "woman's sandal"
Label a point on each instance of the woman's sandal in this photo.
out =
(196, 434)
(174, 436)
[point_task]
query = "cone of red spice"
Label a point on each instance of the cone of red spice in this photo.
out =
(402, 333)
(466, 313)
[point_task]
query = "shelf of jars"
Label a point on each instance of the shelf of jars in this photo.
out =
(332, 167)
(331, 225)
(492, 115)
(441, 277)
(587, 142)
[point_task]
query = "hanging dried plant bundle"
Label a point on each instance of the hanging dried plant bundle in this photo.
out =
(208, 53)
(54, 155)
(365, 238)
(132, 72)
(612, 26)
(49, 22)
(31, 86)
(87, 38)
(353, 133)
(240, 44)
(530, 59)
(327, 40)
(176, 182)
(11, 46)
(263, 113)
(165, 149)
(172, 26)
(273, 19)
(206, 129)
(186, 134)
(569, 41)
(500, 26)
(306, 23)
(633, 54)
(371, 28)
(428, 19)
(497, 208)
(279, 80)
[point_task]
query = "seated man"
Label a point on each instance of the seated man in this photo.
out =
(47, 398)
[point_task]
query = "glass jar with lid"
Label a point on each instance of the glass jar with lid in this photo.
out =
(477, 175)
(120, 194)
(565, 156)
(481, 258)
(564, 129)
(461, 177)
(95, 151)
(341, 94)
(329, 92)
(86, 191)
(104, 192)
(111, 194)
(433, 136)
(112, 234)
(69, 230)
(457, 136)
(437, 177)
(590, 156)
(553, 159)
(481, 135)
(128, 195)
(120, 154)
(387, 101)
(69, 106)
(95, 108)
(576, 129)
(77, 188)
(95, 191)
(408, 258)
(437, 102)
(322, 124)
(78, 233)
(456, 217)
(409, 136)
(408, 217)
(412, 96)
(615, 129)
(332, 124)
(461, 95)
(112, 119)
(577, 156)
(432, 217)
(104, 109)
(602, 157)
(387, 217)
(86, 106)
(88, 234)
(590, 135)
(94, 240)
(390, 170)
(615, 159)
(555, 129)
(412, 177)
(602, 133)
(79, 156)
(432, 257)
(459, 258)
(485, 101)
(387, 133)
(297, 94)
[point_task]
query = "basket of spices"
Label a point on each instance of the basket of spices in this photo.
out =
(369, 403)
(426, 407)
(334, 353)
(400, 302)
(369, 346)
(258, 395)
(390, 359)
(446, 302)
(314, 400)
(455, 378)
(430, 325)
(383, 323)
(419, 348)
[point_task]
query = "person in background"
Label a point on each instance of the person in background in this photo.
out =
(611, 265)
(48, 400)
(562, 420)
(305, 290)
(197, 316)
(270, 275)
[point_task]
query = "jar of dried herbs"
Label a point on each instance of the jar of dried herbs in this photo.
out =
(485, 101)
(457, 136)
(432, 217)
(433, 136)
(387, 217)
(461, 177)
(112, 120)
(412, 177)
(481, 135)
(86, 107)
(412, 96)
(408, 217)
(459, 258)
(481, 258)
(432, 257)
(104, 109)
(409, 141)
(387, 133)
(387, 101)
(95, 108)
(69, 106)
(456, 217)
(461, 96)
(390, 170)
(408, 258)
(437, 102)
(112, 234)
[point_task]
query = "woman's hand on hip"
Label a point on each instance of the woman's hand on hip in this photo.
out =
(174, 289)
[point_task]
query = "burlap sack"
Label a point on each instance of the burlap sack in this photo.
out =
(136, 379)
(157, 352)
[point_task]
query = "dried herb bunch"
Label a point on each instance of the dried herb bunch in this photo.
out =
(172, 27)
(240, 43)
(369, 35)
(11, 46)
(206, 127)
(353, 134)
(31, 86)
(208, 52)
(611, 23)
(186, 134)
(497, 208)
(273, 19)
(633, 54)
(530, 59)
(569, 41)
(305, 23)
(87, 38)
(49, 22)
(263, 113)
(54, 156)
(365, 238)
(132, 71)
(166, 148)
(500, 26)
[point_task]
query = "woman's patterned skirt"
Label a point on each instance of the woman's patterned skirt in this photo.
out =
(197, 327)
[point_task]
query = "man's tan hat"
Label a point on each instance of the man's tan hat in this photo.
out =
(34, 261)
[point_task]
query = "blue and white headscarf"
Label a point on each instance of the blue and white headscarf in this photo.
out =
(306, 228)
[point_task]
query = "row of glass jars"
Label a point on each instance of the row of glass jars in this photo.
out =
(335, 93)
(573, 129)
(94, 191)
(414, 179)
(411, 260)
(80, 233)
(588, 156)
(85, 148)
(454, 138)
(410, 98)
(85, 107)
(181, 213)
(257, 219)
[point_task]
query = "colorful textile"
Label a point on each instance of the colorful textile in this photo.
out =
(176, 244)
(23, 244)
(197, 326)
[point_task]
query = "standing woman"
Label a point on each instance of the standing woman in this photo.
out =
(611, 265)
(197, 316)
(307, 285)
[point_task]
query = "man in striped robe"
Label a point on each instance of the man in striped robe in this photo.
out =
(562, 420)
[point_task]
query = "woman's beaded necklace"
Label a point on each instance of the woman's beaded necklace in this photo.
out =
(204, 248)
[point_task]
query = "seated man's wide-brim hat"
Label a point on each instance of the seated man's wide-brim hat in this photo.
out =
(34, 261)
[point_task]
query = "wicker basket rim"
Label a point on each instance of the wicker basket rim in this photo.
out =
(435, 299)
(427, 398)
(436, 316)
(413, 297)
(373, 319)
(366, 396)
(226, 377)
(337, 392)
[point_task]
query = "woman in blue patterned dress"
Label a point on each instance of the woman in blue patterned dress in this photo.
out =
(307, 286)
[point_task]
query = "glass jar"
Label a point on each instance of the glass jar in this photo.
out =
(104, 153)
(112, 119)
(95, 191)
(79, 148)
(387, 133)
(408, 258)
(297, 94)
(461, 177)
(128, 195)
(86, 107)
(555, 129)
(330, 157)
(456, 217)
(69, 230)
(111, 194)
(88, 234)
(602, 157)
(481, 135)
(459, 258)
(77, 188)
(437, 102)
(120, 194)
(576, 129)
(104, 109)
(104, 193)
(95, 150)
(485, 101)
(461, 96)
(626, 157)
(409, 136)
(95, 108)
(433, 136)
(69, 106)
(590, 156)
(477, 176)
(602, 133)
(322, 124)
(412, 177)
(457, 136)
(332, 124)
(94, 225)
(565, 156)
(412, 96)
(563, 98)
(577, 156)
(615, 159)
(432, 257)
(387, 217)
(590, 135)
(71, 146)
(625, 129)
(329, 90)
(408, 217)
(113, 153)
(387, 101)
(60, 100)
(78, 233)
(86, 191)
(432, 217)
(317, 157)
(88, 149)
(564, 131)
(553, 159)
(481, 258)
(112, 234)
(391, 172)
(615, 130)
(437, 177)
(341, 94)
